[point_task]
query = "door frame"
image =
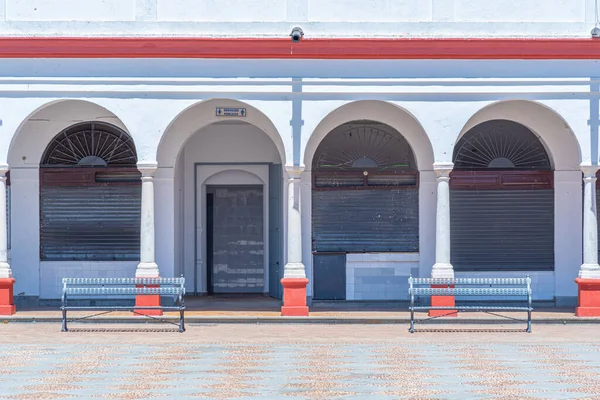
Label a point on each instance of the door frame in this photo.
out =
(203, 172)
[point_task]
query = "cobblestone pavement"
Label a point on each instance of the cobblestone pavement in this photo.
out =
(37, 361)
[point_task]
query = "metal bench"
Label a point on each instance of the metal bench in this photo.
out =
(120, 291)
(490, 288)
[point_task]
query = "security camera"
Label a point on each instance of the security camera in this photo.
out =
(297, 34)
(596, 32)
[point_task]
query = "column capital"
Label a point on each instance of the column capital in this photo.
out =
(294, 171)
(147, 168)
(589, 171)
(443, 169)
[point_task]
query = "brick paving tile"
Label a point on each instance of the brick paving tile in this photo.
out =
(243, 361)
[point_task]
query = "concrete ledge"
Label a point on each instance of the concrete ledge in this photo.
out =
(300, 320)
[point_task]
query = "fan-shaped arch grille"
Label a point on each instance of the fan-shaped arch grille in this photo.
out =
(364, 146)
(90, 144)
(500, 144)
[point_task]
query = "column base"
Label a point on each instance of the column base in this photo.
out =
(589, 297)
(294, 297)
(147, 270)
(442, 301)
(7, 301)
(148, 300)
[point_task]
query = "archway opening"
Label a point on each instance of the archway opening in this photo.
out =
(364, 200)
(90, 195)
(228, 181)
(502, 200)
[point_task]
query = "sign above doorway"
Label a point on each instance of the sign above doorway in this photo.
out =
(230, 112)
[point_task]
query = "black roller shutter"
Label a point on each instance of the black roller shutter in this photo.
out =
(90, 223)
(502, 230)
(355, 221)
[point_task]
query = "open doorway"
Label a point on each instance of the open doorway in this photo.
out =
(235, 239)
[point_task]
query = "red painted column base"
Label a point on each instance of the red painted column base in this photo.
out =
(148, 300)
(442, 301)
(7, 301)
(294, 297)
(589, 298)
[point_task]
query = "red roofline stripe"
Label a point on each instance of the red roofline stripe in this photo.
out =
(280, 48)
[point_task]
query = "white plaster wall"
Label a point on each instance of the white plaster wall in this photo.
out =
(427, 215)
(52, 272)
(568, 228)
(165, 201)
(70, 10)
(221, 10)
(371, 10)
(319, 18)
(306, 222)
(542, 282)
(25, 237)
(520, 11)
(380, 276)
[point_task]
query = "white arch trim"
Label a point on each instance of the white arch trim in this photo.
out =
(203, 114)
(234, 176)
(380, 111)
(31, 138)
(555, 134)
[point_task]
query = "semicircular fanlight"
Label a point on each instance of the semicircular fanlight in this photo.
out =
(364, 145)
(90, 145)
(500, 144)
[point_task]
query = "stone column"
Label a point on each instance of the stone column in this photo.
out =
(294, 274)
(589, 274)
(147, 268)
(442, 267)
(7, 305)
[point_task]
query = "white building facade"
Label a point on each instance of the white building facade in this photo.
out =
(155, 138)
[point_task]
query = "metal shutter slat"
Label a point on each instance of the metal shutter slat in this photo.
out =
(365, 220)
(95, 223)
(502, 229)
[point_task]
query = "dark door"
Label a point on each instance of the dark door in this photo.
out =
(209, 240)
(275, 231)
(237, 239)
(329, 276)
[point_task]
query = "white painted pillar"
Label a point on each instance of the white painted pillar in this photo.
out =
(147, 266)
(5, 271)
(442, 267)
(590, 268)
(294, 268)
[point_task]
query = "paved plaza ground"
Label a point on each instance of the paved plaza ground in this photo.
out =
(289, 361)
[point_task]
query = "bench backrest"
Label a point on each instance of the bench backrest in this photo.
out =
(469, 286)
(123, 286)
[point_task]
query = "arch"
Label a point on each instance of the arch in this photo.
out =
(382, 112)
(364, 145)
(35, 132)
(500, 144)
(202, 114)
(90, 144)
(553, 131)
(234, 176)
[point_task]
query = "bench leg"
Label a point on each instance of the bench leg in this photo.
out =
(412, 321)
(64, 321)
(529, 321)
(181, 321)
